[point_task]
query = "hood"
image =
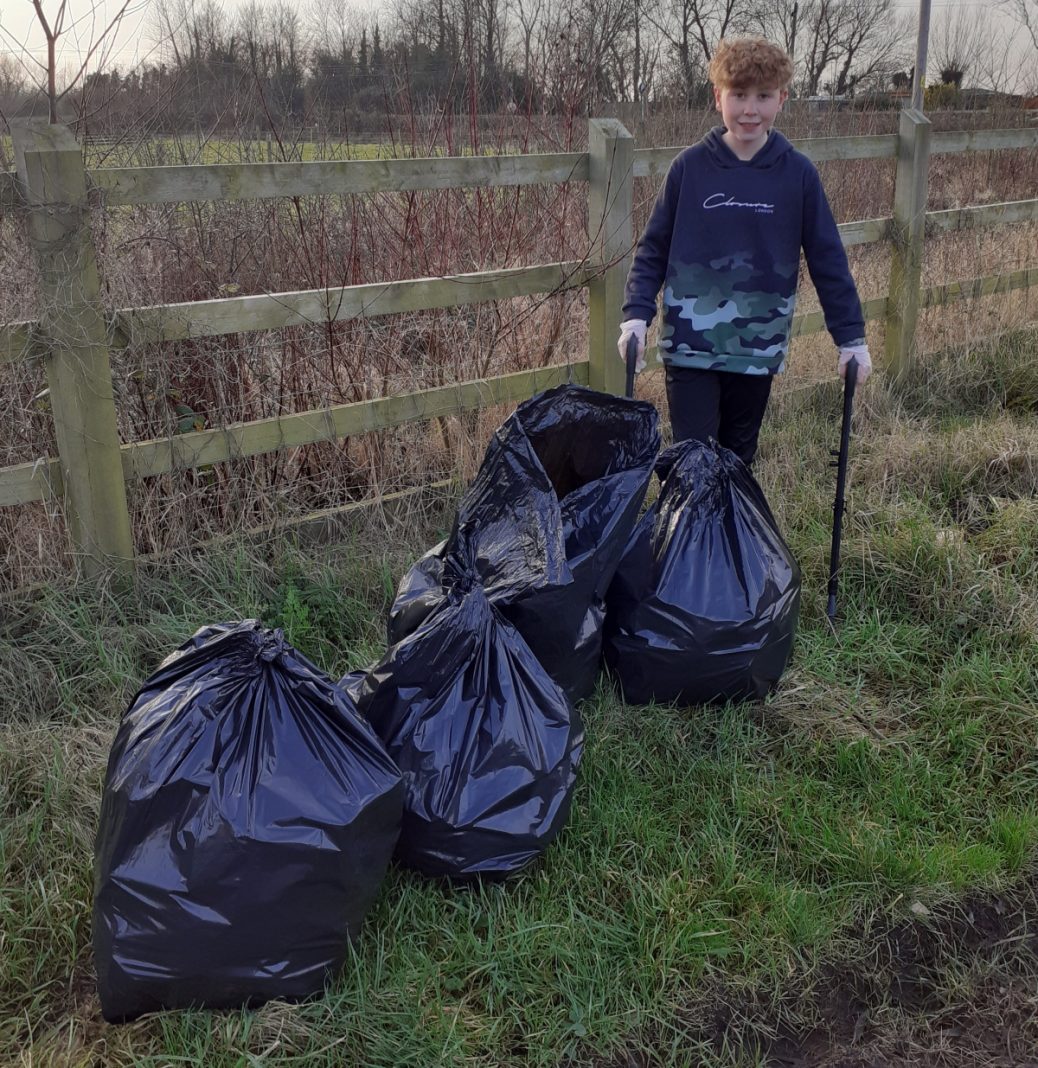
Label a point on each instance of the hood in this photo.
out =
(774, 149)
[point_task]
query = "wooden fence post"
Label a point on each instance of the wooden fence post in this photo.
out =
(907, 233)
(72, 326)
(611, 237)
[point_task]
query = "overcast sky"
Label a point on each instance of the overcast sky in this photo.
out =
(21, 35)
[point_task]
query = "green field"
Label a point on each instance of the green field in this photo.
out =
(727, 874)
(169, 151)
(166, 151)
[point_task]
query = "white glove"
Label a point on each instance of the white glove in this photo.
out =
(633, 328)
(859, 353)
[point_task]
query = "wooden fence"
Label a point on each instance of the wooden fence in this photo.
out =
(75, 334)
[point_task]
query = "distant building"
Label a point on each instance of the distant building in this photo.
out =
(982, 99)
(823, 102)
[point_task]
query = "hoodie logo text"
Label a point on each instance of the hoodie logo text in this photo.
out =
(722, 200)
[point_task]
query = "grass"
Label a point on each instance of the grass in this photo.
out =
(715, 855)
(189, 149)
(171, 151)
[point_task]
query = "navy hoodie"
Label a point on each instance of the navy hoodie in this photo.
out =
(724, 242)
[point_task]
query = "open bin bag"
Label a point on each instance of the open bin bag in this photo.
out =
(705, 601)
(559, 490)
(248, 818)
(487, 743)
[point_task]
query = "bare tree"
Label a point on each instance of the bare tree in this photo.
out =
(91, 34)
(193, 32)
(872, 41)
(1024, 12)
(475, 35)
(840, 43)
(12, 82)
(13, 87)
(550, 39)
(638, 57)
(435, 24)
(1000, 65)
(958, 37)
(530, 15)
(168, 30)
(823, 27)
(781, 21)
(693, 28)
(333, 26)
(256, 37)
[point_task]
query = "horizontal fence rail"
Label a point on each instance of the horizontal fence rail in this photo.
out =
(28, 482)
(653, 162)
(864, 231)
(238, 181)
(936, 296)
(983, 140)
(145, 459)
(19, 341)
(975, 218)
(235, 181)
(609, 166)
(39, 480)
(271, 311)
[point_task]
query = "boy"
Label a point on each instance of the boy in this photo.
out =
(724, 241)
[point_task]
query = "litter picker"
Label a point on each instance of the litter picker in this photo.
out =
(840, 463)
(632, 360)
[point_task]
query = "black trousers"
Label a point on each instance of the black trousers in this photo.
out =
(718, 404)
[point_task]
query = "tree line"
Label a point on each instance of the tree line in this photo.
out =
(330, 63)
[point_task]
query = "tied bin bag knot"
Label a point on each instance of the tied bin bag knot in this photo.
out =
(248, 818)
(705, 601)
(558, 493)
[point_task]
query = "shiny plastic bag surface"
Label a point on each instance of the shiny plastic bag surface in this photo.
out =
(487, 743)
(248, 818)
(559, 491)
(705, 602)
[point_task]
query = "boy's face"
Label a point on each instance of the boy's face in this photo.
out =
(748, 113)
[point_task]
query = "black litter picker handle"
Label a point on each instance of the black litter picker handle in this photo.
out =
(632, 361)
(840, 463)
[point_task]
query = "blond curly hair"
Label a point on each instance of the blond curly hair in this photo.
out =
(740, 62)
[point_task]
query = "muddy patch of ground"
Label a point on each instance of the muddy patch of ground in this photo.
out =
(955, 989)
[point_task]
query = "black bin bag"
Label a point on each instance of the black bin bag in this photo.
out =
(488, 744)
(559, 490)
(705, 601)
(248, 818)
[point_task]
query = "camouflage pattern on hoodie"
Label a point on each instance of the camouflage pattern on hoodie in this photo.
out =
(733, 323)
(723, 244)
